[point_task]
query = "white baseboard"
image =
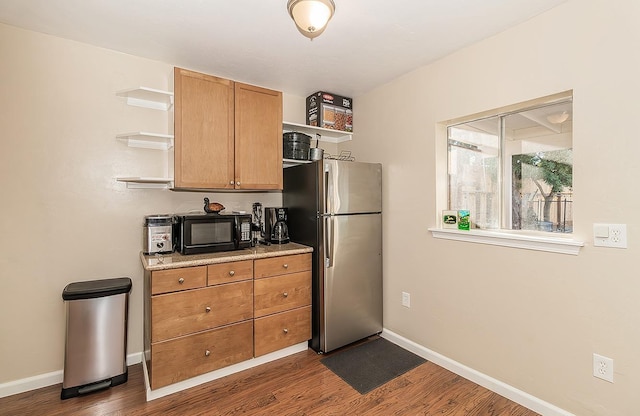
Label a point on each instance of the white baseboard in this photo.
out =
(497, 386)
(214, 375)
(48, 379)
(30, 383)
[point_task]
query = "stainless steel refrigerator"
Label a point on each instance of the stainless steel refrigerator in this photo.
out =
(336, 207)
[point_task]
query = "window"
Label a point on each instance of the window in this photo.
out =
(514, 170)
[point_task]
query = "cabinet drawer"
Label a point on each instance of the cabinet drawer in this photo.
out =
(229, 272)
(275, 266)
(172, 280)
(186, 357)
(280, 293)
(182, 313)
(282, 330)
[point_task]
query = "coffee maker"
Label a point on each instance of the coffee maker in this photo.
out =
(276, 229)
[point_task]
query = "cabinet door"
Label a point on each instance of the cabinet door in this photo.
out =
(181, 313)
(274, 332)
(173, 280)
(258, 144)
(229, 272)
(185, 357)
(204, 131)
(277, 294)
(275, 266)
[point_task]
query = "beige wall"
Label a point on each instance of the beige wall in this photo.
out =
(63, 216)
(530, 319)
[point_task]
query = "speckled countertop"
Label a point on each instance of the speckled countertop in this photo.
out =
(175, 260)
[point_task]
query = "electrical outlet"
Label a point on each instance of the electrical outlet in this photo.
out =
(603, 367)
(406, 300)
(610, 235)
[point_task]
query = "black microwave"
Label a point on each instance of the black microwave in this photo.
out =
(208, 233)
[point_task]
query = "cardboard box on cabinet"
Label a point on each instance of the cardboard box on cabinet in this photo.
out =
(330, 111)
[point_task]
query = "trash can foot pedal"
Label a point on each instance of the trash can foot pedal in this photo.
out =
(76, 391)
(89, 388)
(95, 386)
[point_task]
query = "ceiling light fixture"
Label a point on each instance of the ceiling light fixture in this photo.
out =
(558, 118)
(311, 16)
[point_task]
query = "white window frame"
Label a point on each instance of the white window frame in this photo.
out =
(530, 240)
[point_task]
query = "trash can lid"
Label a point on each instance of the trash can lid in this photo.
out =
(96, 288)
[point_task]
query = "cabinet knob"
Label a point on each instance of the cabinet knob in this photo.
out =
(232, 273)
(207, 309)
(286, 266)
(181, 280)
(230, 182)
(285, 294)
(207, 353)
(286, 331)
(238, 183)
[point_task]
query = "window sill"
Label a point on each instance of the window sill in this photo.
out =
(506, 239)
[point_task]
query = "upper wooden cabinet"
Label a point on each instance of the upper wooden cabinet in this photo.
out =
(258, 125)
(228, 135)
(203, 130)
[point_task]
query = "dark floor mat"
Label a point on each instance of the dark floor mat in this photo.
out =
(371, 364)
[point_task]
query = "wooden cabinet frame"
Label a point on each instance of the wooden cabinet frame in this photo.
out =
(201, 318)
(228, 135)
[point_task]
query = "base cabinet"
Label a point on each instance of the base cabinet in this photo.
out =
(177, 314)
(282, 302)
(185, 357)
(200, 319)
(174, 280)
(274, 332)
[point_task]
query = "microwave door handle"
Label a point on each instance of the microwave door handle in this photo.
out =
(236, 232)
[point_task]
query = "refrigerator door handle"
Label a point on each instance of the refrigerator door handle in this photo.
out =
(328, 189)
(329, 240)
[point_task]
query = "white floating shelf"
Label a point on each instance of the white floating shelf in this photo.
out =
(148, 97)
(327, 135)
(146, 182)
(287, 163)
(147, 140)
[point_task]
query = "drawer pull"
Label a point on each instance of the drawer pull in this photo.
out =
(181, 280)
(207, 309)
(285, 294)
(286, 266)
(207, 353)
(231, 273)
(286, 331)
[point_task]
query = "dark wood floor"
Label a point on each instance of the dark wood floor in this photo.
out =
(296, 385)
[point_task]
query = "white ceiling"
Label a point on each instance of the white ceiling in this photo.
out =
(366, 44)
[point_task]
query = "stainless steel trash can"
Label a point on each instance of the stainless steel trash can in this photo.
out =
(95, 355)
